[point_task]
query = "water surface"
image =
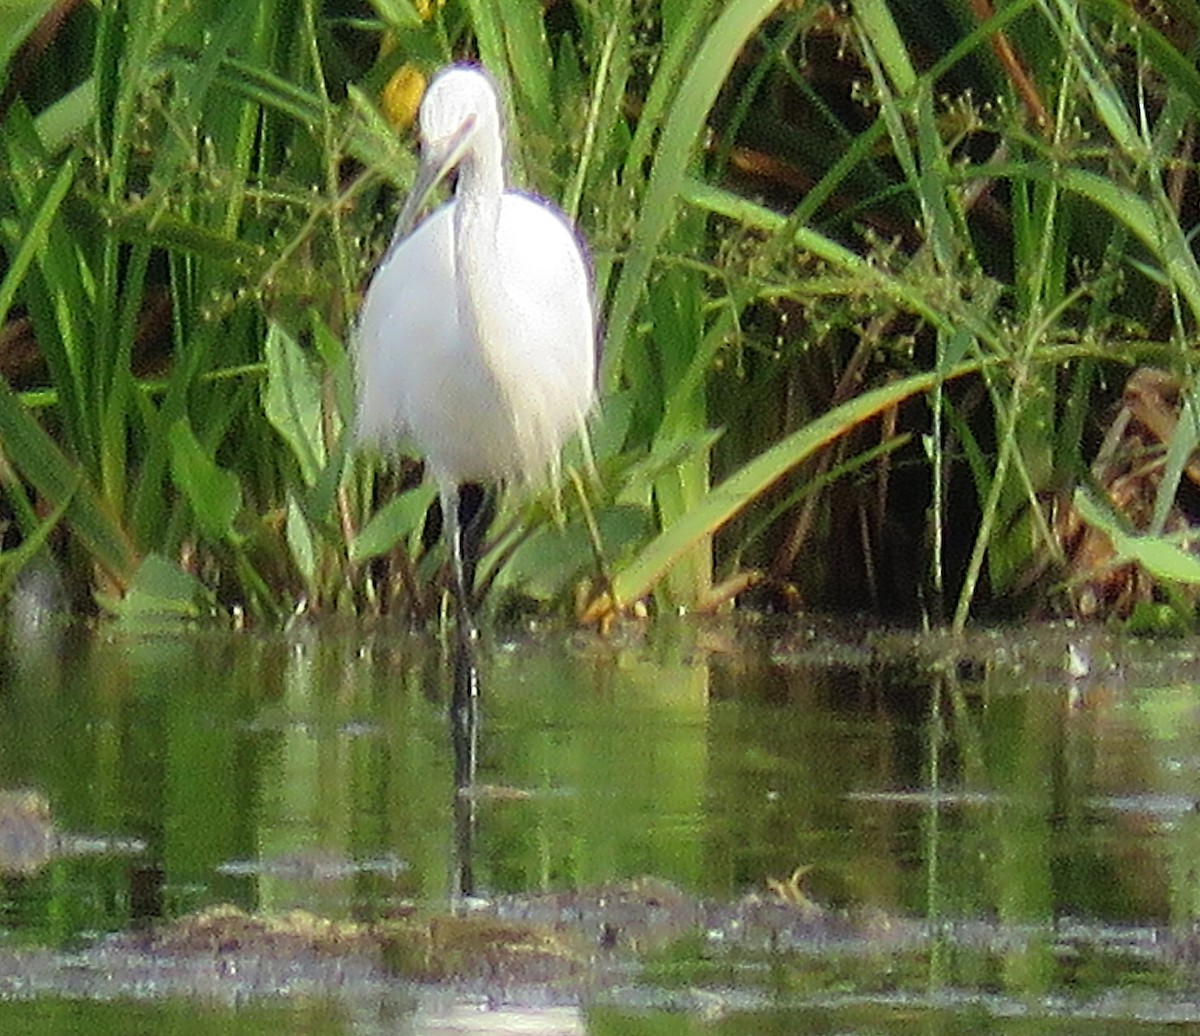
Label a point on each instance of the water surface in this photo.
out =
(841, 830)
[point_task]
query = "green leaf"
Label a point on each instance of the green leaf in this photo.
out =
(215, 495)
(1158, 555)
(552, 558)
(1157, 229)
(18, 18)
(160, 590)
(62, 121)
(694, 99)
(877, 24)
(393, 523)
(292, 401)
(300, 541)
(399, 14)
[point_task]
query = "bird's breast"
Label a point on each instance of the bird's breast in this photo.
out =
(481, 349)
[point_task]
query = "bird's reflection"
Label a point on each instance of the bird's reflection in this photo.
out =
(464, 738)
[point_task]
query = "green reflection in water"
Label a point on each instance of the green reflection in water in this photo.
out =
(312, 771)
(262, 769)
(863, 1021)
(51, 1017)
(281, 772)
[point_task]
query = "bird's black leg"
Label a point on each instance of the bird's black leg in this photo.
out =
(466, 633)
(463, 564)
(476, 509)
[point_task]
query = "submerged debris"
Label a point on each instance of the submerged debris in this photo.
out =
(568, 948)
(482, 948)
(29, 839)
(316, 866)
(226, 929)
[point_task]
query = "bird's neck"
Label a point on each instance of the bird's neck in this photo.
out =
(483, 289)
(477, 219)
(480, 188)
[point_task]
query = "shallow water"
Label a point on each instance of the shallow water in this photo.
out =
(848, 830)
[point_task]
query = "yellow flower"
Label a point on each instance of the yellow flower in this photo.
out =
(401, 96)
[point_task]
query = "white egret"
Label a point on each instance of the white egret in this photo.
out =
(477, 337)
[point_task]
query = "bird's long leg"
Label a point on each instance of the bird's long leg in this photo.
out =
(476, 509)
(464, 700)
(464, 568)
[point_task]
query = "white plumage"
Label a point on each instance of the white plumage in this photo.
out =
(477, 337)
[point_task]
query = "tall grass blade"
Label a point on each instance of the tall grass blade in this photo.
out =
(40, 461)
(725, 500)
(33, 235)
(693, 101)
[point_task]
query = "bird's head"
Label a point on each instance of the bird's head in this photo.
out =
(460, 105)
(459, 123)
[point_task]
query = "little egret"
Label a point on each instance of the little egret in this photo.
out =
(477, 337)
